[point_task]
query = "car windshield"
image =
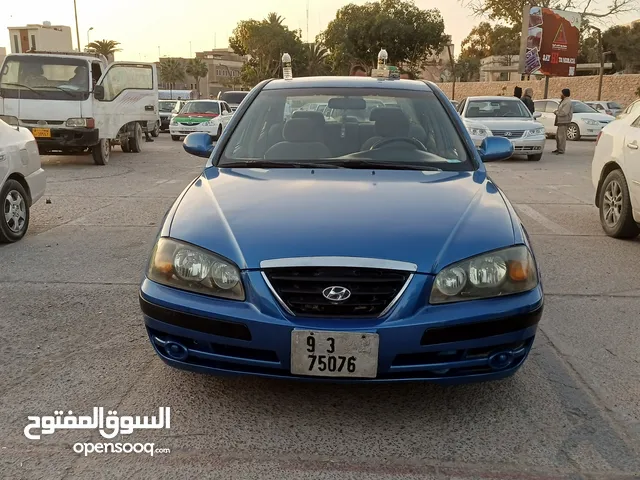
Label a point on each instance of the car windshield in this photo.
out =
(497, 108)
(579, 107)
(42, 77)
(233, 97)
(415, 133)
(614, 105)
(201, 107)
(165, 106)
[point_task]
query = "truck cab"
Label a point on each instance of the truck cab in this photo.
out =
(77, 102)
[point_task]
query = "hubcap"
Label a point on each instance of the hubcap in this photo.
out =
(572, 133)
(15, 211)
(106, 148)
(612, 204)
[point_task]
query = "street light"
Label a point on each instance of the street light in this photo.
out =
(75, 10)
(88, 41)
(453, 70)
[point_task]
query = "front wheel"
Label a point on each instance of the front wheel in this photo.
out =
(156, 130)
(535, 158)
(616, 214)
(175, 138)
(14, 219)
(573, 132)
(101, 152)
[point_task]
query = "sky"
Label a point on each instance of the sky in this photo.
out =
(147, 30)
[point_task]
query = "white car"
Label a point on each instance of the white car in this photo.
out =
(587, 122)
(608, 108)
(504, 117)
(22, 180)
(615, 173)
(630, 110)
(208, 116)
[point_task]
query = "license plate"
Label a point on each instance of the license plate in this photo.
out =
(41, 132)
(334, 354)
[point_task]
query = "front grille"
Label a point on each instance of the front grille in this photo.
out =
(49, 122)
(508, 133)
(301, 290)
(189, 124)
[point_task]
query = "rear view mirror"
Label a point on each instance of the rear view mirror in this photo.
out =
(98, 92)
(536, 115)
(347, 103)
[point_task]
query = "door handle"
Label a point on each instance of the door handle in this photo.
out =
(633, 145)
(149, 108)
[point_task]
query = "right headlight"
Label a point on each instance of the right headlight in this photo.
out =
(493, 274)
(478, 132)
(187, 267)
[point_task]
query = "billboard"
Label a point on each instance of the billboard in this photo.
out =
(550, 42)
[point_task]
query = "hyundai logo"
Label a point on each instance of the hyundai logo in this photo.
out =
(336, 294)
(507, 134)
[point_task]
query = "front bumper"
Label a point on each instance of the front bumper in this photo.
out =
(68, 137)
(591, 131)
(531, 145)
(182, 130)
(449, 344)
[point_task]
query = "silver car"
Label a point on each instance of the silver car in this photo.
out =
(504, 117)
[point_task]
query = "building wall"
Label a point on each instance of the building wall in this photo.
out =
(54, 38)
(3, 53)
(620, 88)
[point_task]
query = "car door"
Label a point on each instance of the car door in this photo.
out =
(632, 162)
(129, 93)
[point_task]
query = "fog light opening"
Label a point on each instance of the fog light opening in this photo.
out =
(176, 350)
(500, 360)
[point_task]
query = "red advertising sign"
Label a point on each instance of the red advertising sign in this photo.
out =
(552, 42)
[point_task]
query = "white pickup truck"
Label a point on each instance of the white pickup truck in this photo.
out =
(76, 103)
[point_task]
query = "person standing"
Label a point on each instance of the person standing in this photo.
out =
(517, 92)
(528, 100)
(564, 115)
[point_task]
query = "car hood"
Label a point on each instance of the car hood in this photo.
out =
(430, 219)
(507, 123)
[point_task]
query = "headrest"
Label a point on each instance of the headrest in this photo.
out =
(390, 122)
(317, 117)
(301, 130)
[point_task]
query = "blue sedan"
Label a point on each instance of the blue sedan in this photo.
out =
(363, 243)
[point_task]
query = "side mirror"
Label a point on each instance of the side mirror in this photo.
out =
(199, 144)
(494, 149)
(98, 92)
(536, 115)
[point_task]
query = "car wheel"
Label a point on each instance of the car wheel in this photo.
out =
(175, 138)
(217, 137)
(156, 131)
(135, 141)
(573, 132)
(535, 158)
(124, 145)
(616, 214)
(101, 152)
(14, 219)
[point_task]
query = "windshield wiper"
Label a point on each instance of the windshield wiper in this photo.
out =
(276, 164)
(55, 86)
(387, 165)
(21, 86)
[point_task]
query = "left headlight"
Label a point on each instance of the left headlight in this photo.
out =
(210, 123)
(588, 121)
(493, 274)
(478, 132)
(181, 265)
(536, 132)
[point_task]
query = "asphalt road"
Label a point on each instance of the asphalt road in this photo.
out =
(72, 338)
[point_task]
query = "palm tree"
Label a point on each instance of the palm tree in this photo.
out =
(316, 54)
(198, 69)
(274, 19)
(104, 47)
(171, 71)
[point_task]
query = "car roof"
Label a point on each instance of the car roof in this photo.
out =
(491, 99)
(347, 82)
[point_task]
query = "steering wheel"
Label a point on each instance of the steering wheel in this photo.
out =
(388, 141)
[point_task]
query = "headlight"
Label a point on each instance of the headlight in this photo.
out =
(536, 132)
(173, 121)
(209, 123)
(478, 132)
(80, 122)
(494, 274)
(588, 121)
(181, 265)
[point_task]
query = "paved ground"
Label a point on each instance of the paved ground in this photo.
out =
(72, 338)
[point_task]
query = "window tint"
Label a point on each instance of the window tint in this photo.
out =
(551, 107)
(579, 107)
(233, 97)
(636, 123)
(126, 77)
(201, 107)
(614, 105)
(497, 109)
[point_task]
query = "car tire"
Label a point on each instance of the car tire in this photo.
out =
(156, 130)
(125, 146)
(135, 141)
(15, 205)
(573, 132)
(535, 158)
(175, 138)
(101, 152)
(616, 215)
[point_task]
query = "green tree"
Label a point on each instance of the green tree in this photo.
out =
(316, 59)
(104, 47)
(624, 43)
(486, 40)
(198, 69)
(264, 42)
(409, 35)
(171, 71)
(468, 69)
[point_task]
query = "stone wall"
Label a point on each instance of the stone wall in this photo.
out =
(620, 88)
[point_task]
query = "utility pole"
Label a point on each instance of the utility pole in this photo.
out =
(307, 21)
(601, 54)
(453, 71)
(75, 10)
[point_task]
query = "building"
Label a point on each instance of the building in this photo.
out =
(3, 53)
(45, 37)
(504, 68)
(224, 70)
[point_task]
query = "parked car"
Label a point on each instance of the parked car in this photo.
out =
(166, 108)
(504, 117)
(347, 251)
(608, 108)
(587, 122)
(615, 173)
(22, 179)
(233, 98)
(632, 109)
(455, 104)
(209, 116)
